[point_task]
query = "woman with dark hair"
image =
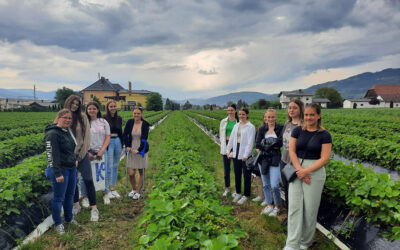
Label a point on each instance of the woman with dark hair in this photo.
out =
(114, 148)
(310, 147)
(269, 142)
(60, 146)
(99, 138)
(295, 114)
(135, 137)
(225, 130)
(240, 148)
(81, 129)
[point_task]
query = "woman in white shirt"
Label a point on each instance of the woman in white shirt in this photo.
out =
(99, 136)
(241, 143)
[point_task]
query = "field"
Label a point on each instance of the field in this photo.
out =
(183, 208)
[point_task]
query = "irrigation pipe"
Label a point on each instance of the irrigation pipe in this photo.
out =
(321, 228)
(48, 222)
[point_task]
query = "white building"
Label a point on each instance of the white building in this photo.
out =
(323, 102)
(286, 96)
(379, 96)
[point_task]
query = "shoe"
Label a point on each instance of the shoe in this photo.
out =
(288, 248)
(242, 200)
(136, 196)
(225, 193)
(264, 203)
(132, 193)
(234, 195)
(303, 247)
(106, 199)
(115, 194)
(267, 210)
(85, 202)
(72, 222)
(76, 209)
(237, 198)
(275, 213)
(94, 215)
(59, 229)
(258, 199)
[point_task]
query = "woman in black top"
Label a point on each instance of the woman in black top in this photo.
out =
(135, 137)
(309, 149)
(269, 142)
(114, 148)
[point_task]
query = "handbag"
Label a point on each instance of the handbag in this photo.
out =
(289, 171)
(252, 164)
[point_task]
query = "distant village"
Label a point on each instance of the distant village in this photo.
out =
(379, 96)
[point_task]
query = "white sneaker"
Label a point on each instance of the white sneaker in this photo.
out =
(225, 192)
(85, 202)
(115, 194)
(94, 215)
(288, 248)
(136, 196)
(234, 195)
(106, 199)
(264, 203)
(132, 193)
(267, 210)
(237, 198)
(258, 199)
(59, 229)
(76, 209)
(275, 213)
(303, 247)
(242, 200)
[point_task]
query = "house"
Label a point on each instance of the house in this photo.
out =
(323, 102)
(104, 90)
(379, 96)
(286, 96)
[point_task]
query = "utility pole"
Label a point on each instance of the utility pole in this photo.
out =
(34, 92)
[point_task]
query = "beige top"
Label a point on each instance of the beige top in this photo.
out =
(82, 139)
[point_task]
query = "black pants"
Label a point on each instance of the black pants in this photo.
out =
(227, 169)
(240, 167)
(85, 169)
(285, 185)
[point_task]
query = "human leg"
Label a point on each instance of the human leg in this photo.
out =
(275, 176)
(59, 189)
(132, 179)
(69, 194)
(295, 214)
(227, 170)
(116, 158)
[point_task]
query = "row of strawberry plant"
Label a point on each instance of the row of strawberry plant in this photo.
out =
(184, 210)
(210, 124)
(13, 150)
(12, 133)
(366, 193)
(21, 185)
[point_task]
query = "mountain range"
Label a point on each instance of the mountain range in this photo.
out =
(352, 87)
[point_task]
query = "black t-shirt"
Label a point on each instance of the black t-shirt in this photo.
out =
(310, 150)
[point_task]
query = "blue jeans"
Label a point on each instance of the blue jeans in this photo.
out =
(63, 194)
(271, 184)
(112, 161)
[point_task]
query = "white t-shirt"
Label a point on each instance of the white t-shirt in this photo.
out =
(99, 128)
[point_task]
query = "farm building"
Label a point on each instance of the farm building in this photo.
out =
(286, 96)
(323, 102)
(379, 96)
(104, 90)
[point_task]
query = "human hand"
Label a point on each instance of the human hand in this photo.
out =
(60, 179)
(307, 180)
(244, 159)
(230, 155)
(128, 149)
(257, 150)
(135, 151)
(301, 173)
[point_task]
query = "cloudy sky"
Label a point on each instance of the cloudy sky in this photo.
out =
(195, 48)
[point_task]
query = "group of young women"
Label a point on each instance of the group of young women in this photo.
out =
(304, 143)
(75, 139)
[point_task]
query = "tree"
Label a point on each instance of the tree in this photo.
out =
(62, 95)
(168, 104)
(334, 97)
(391, 104)
(95, 99)
(187, 105)
(154, 102)
(354, 105)
(242, 104)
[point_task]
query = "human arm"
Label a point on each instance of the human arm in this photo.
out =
(106, 139)
(326, 150)
(249, 147)
(126, 135)
(53, 153)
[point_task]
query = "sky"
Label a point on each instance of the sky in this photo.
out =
(195, 48)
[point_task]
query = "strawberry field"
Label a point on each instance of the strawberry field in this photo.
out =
(183, 208)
